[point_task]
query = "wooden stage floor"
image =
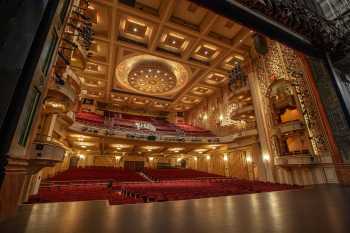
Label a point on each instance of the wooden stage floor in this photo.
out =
(311, 210)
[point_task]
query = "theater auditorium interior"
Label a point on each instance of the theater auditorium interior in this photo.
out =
(175, 116)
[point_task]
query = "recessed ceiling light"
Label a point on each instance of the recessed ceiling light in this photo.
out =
(135, 29)
(150, 70)
(206, 52)
(158, 71)
(173, 42)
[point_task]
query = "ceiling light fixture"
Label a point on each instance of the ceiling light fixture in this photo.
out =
(135, 29)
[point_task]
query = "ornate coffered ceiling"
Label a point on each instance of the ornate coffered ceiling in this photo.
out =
(151, 75)
(193, 46)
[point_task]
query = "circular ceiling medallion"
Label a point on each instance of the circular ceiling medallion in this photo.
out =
(151, 75)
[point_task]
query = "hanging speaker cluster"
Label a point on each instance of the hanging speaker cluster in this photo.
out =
(238, 78)
(260, 44)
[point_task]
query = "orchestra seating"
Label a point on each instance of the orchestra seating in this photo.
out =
(193, 189)
(105, 183)
(177, 174)
(97, 174)
(70, 192)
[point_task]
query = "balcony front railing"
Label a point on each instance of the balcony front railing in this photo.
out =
(162, 137)
(294, 160)
(45, 148)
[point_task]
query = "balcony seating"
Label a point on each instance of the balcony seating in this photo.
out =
(177, 174)
(127, 123)
(191, 130)
(90, 118)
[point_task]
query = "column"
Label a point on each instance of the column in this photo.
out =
(263, 161)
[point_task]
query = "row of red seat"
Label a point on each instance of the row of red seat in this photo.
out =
(175, 174)
(87, 192)
(81, 184)
(98, 174)
(181, 190)
(128, 121)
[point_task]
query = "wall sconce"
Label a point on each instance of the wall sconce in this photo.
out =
(150, 158)
(249, 159)
(195, 158)
(82, 157)
(225, 157)
(266, 158)
(208, 157)
(205, 117)
(118, 157)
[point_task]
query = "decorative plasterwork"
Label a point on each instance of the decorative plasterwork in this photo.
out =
(135, 29)
(282, 63)
(202, 90)
(215, 79)
(175, 30)
(206, 52)
(169, 70)
(152, 78)
(190, 99)
(231, 61)
(174, 42)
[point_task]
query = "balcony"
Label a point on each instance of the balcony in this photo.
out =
(69, 117)
(44, 152)
(291, 126)
(294, 160)
(70, 76)
(236, 115)
(130, 134)
(60, 98)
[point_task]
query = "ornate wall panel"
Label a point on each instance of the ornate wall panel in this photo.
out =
(282, 63)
